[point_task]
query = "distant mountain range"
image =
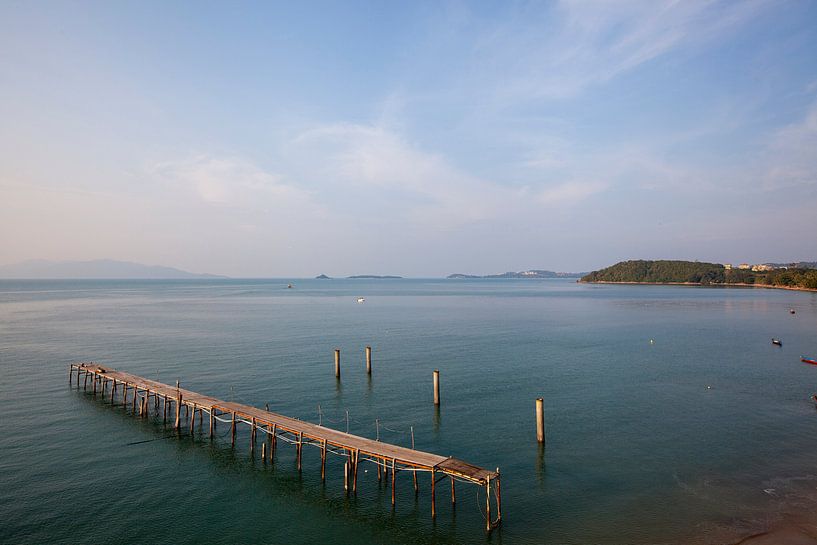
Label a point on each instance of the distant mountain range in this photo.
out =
(534, 273)
(102, 269)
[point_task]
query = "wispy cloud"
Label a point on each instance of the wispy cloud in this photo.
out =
(792, 154)
(372, 163)
(559, 53)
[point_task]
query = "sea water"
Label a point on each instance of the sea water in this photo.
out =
(670, 416)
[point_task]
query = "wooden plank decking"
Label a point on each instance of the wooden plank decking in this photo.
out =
(354, 447)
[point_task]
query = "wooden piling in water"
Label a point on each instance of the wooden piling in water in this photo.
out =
(252, 436)
(346, 475)
(212, 419)
(498, 496)
(393, 480)
(299, 448)
(453, 492)
(274, 442)
(178, 409)
(323, 460)
(369, 360)
(540, 420)
(337, 363)
(433, 494)
(354, 471)
(488, 505)
(232, 430)
(436, 377)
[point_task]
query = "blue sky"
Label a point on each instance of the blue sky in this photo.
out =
(418, 139)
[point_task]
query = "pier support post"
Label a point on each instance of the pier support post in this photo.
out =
(453, 492)
(299, 448)
(95, 380)
(354, 471)
(433, 495)
(193, 420)
(488, 504)
(125, 394)
(274, 442)
(164, 410)
(436, 376)
(113, 391)
(232, 430)
(211, 421)
(498, 496)
(178, 409)
(135, 395)
(393, 480)
(252, 437)
(337, 363)
(264, 452)
(369, 360)
(323, 460)
(540, 420)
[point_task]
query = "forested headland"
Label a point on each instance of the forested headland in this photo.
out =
(704, 274)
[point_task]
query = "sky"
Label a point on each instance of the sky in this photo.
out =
(410, 138)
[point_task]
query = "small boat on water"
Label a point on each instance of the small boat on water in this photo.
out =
(804, 359)
(361, 300)
(777, 342)
(791, 311)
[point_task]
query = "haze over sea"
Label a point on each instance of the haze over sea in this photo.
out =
(706, 435)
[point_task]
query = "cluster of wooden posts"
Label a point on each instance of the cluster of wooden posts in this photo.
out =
(389, 459)
(435, 379)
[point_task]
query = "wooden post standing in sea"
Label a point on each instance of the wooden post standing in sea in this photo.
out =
(540, 420)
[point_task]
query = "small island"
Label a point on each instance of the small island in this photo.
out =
(797, 276)
(323, 277)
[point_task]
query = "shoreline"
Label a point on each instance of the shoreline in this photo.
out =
(698, 284)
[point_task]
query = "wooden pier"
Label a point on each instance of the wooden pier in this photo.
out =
(356, 449)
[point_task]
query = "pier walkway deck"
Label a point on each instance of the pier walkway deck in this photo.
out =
(388, 458)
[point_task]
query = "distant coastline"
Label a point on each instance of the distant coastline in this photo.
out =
(532, 273)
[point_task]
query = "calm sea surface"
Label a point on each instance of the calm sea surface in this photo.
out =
(705, 435)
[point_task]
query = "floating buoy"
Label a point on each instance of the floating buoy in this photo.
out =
(652, 341)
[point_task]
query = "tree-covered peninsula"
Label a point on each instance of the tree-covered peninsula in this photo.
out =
(704, 274)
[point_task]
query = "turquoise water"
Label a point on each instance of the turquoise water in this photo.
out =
(704, 436)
